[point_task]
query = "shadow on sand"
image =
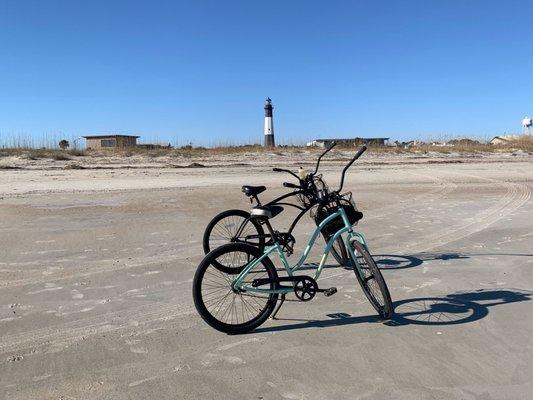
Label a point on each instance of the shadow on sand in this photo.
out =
(452, 309)
(394, 262)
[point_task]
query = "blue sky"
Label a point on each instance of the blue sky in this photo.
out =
(200, 70)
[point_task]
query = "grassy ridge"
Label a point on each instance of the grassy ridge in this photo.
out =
(525, 144)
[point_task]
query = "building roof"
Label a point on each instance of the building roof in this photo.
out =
(108, 136)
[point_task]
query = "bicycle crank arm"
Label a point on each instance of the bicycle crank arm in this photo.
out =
(328, 292)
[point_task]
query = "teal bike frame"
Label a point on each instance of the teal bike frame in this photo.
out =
(276, 248)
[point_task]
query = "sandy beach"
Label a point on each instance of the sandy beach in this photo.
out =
(97, 262)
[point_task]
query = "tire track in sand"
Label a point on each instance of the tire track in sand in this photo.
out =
(516, 195)
(95, 267)
(444, 187)
(70, 332)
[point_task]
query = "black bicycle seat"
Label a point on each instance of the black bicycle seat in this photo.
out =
(253, 190)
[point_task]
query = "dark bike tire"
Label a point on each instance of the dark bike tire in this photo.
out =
(338, 250)
(241, 214)
(377, 292)
(271, 299)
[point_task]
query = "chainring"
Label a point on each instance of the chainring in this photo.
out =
(305, 288)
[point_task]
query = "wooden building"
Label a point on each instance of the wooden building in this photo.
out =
(110, 141)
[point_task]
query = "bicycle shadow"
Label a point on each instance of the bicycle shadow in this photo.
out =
(452, 309)
(395, 262)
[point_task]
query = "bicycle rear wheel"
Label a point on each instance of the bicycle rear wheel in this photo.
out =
(371, 280)
(219, 304)
(233, 226)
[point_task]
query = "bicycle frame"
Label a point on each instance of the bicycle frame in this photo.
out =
(276, 248)
(277, 201)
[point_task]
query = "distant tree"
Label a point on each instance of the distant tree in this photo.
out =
(64, 144)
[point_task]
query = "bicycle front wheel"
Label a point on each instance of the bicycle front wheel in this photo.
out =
(220, 305)
(371, 280)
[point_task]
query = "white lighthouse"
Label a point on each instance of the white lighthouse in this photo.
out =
(269, 124)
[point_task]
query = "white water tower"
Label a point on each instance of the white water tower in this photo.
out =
(527, 122)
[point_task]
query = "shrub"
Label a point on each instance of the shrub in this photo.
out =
(60, 157)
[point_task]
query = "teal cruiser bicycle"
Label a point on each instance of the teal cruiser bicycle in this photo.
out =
(237, 287)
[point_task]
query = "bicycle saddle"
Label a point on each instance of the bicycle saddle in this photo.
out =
(265, 211)
(253, 190)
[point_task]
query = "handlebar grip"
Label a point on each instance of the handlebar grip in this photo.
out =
(332, 145)
(357, 155)
(276, 169)
(360, 152)
(291, 185)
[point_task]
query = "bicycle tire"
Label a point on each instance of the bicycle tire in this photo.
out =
(371, 280)
(203, 299)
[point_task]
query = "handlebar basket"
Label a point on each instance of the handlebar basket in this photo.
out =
(304, 200)
(320, 187)
(320, 213)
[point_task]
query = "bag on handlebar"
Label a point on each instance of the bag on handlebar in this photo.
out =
(323, 211)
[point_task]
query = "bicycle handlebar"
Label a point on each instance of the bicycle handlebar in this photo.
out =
(291, 185)
(333, 144)
(286, 170)
(357, 155)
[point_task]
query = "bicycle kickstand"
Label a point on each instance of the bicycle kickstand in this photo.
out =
(273, 316)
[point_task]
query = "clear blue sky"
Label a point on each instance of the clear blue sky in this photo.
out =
(200, 70)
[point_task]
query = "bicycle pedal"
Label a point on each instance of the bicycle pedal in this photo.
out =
(330, 291)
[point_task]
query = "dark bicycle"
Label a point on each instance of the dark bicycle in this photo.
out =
(236, 226)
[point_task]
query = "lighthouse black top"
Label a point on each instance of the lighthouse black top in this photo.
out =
(268, 107)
